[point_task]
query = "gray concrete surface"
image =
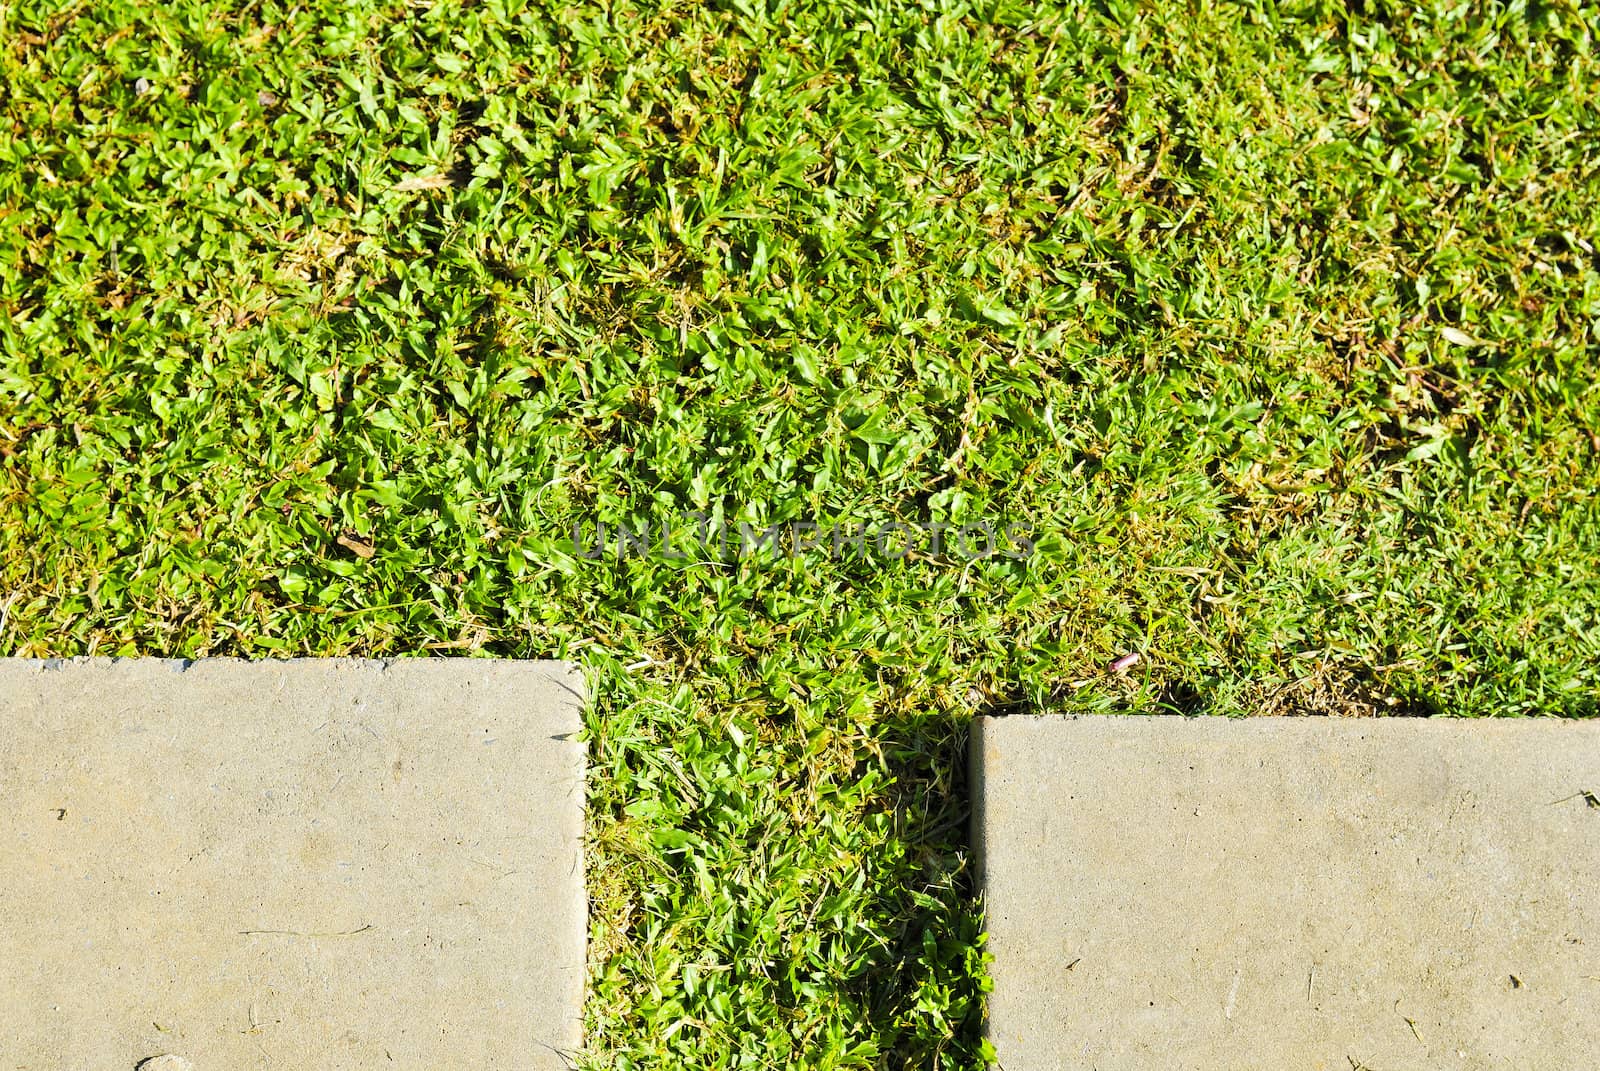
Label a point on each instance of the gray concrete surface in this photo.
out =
(1307, 893)
(319, 864)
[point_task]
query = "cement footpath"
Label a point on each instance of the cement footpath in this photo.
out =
(1334, 894)
(320, 864)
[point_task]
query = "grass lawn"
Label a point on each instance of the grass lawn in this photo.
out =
(323, 324)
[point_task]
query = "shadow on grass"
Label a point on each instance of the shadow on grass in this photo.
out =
(926, 995)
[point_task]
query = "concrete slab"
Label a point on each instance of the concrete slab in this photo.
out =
(324, 864)
(1309, 893)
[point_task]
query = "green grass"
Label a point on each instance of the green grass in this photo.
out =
(1279, 320)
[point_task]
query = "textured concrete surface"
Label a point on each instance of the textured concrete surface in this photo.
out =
(320, 864)
(1308, 893)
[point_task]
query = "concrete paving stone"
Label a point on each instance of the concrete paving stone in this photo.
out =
(1311, 893)
(327, 864)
